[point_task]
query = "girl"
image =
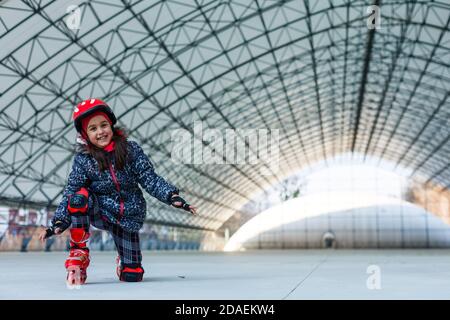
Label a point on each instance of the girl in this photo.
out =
(103, 190)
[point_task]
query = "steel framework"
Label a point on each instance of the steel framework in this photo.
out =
(312, 69)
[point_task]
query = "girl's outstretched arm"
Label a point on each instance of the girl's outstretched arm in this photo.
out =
(155, 185)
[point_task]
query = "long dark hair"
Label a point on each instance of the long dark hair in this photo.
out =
(103, 158)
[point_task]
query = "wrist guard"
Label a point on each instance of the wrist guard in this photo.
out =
(51, 231)
(183, 205)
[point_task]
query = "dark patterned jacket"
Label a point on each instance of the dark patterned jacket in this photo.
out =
(116, 194)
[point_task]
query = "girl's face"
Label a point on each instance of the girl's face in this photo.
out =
(99, 131)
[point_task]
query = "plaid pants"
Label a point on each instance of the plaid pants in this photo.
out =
(127, 243)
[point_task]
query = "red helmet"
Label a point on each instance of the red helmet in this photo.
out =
(88, 107)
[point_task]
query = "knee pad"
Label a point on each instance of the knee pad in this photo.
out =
(79, 237)
(78, 202)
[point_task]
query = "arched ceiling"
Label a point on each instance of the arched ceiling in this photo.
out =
(311, 69)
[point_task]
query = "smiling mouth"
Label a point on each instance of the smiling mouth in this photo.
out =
(102, 138)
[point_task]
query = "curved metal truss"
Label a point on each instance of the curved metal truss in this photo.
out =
(312, 69)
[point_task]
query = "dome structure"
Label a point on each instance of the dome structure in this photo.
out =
(317, 72)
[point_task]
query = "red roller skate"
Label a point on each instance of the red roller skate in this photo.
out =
(78, 260)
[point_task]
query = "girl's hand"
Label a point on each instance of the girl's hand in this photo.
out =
(193, 210)
(47, 233)
(179, 202)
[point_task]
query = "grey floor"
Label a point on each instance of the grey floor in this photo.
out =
(302, 274)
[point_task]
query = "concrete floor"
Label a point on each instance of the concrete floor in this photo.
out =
(302, 274)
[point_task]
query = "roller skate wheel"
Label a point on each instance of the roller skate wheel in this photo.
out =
(75, 276)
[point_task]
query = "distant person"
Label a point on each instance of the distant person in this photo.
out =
(26, 235)
(103, 190)
(48, 244)
(328, 239)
